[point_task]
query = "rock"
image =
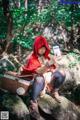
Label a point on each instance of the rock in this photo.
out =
(71, 65)
(6, 65)
(59, 111)
(75, 95)
(15, 106)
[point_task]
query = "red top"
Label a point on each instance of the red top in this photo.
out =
(33, 61)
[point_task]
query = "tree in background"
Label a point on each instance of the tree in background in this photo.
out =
(24, 25)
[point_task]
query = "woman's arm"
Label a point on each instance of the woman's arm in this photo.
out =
(48, 66)
(53, 61)
(41, 69)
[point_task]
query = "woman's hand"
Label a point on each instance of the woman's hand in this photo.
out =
(48, 63)
(41, 69)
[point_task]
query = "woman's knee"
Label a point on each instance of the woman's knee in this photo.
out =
(39, 79)
(58, 79)
(59, 75)
(62, 73)
(38, 85)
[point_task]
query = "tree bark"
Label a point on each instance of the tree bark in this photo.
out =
(26, 4)
(6, 10)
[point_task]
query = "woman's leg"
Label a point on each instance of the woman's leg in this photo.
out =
(37, 87)
(57, 80)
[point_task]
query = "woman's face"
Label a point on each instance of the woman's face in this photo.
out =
(42, 51)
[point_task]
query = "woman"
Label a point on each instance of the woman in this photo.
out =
(44, 69)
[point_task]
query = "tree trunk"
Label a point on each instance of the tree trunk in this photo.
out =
(26, 4)
(71, 41)
(5, 4)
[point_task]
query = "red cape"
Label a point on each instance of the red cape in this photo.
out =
(33, 62)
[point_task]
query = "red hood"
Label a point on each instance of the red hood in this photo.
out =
(39, 42)
(33, 62)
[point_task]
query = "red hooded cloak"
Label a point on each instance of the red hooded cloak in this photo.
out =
(33, 62)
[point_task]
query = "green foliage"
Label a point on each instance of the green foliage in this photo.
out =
(63, 13)
(3, 25)
(25, 20)
(77, 59)
(22, 29)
